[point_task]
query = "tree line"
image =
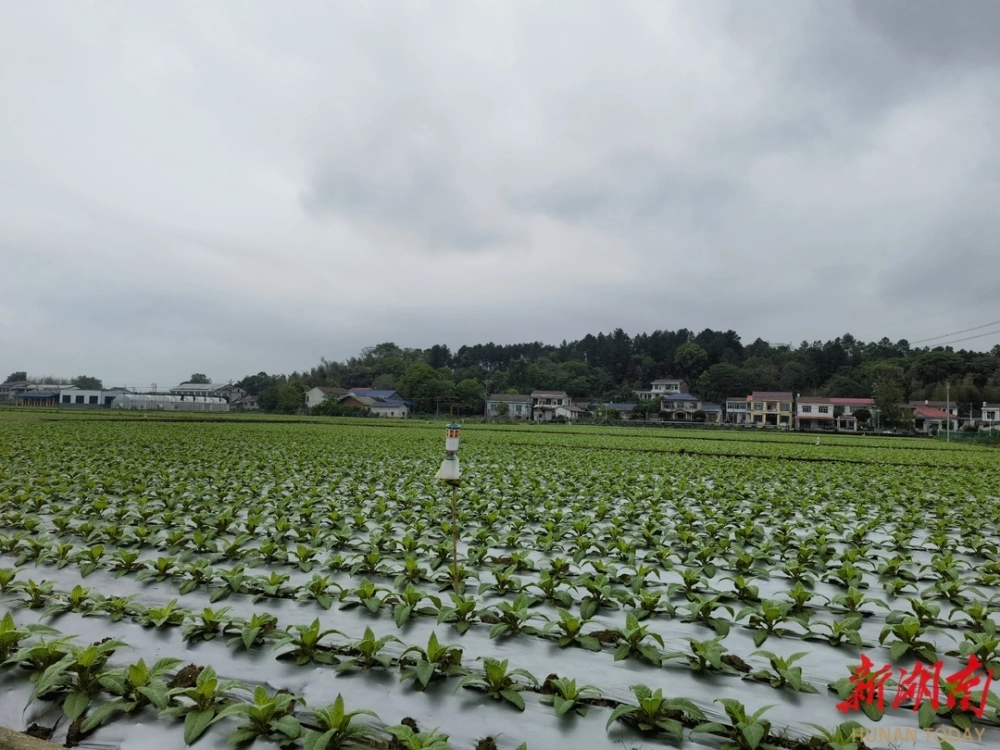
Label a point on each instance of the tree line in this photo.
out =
(610, 367)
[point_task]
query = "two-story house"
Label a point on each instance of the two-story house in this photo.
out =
(9, 390)
(770, 408)
(663, 387)
(991, 414)
(679, 407)
(545, 403)
(516, 405)
(845, 411)
(737, 410)
(815, 413)
(319, 394)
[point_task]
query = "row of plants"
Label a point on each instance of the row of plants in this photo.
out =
(799, 613)
(414, 559)
(93, 692)
(907, 636)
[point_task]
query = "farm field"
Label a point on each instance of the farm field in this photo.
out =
(250, 571)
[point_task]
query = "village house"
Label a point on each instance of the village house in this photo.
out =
(679, 407)
(378, 403)
(350, 401)
(621, 411)
(570, 412)
(814, 413)
(319, 394)
(771, 408)
(390, 408)
(518, 406)
(713, 412)
(951, 408)
(929, 419)
(845, 411)
(663, 387)
(737, 410)
(991, 414)
(9, 390)
(544, 404)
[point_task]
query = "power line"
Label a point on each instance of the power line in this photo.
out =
(956, 333)
(969, 338)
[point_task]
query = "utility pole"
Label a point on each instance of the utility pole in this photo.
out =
(947, 390)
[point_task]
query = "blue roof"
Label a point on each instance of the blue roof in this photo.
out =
(680, 397)
(36, 395)
(371, 393)
(390, 402)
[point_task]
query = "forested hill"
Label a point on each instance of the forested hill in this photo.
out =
(609, 366)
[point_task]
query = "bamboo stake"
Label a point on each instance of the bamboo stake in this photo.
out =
(454, 537)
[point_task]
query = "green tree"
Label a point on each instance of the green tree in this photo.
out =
(87, 383)
(690, 360)
(502, 409)
(721, 381)
(267, 399)
(200, 379)
(429, 388)
(290, 397)
(469, 396)
(384, 383)
(888, 396)
(645, 407)
(17, 375)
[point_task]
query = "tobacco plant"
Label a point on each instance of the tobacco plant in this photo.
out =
(267, 716)
(436, 661)
(306, 642)
(367, 652)
(566, 696)
(335, 728)
(499, 683)
(200, 704)
(134, 686)
(783, 673)
(654, 713)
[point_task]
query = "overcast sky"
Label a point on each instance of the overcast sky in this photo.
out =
(229, 187)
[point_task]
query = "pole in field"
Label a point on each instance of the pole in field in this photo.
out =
(451, 473)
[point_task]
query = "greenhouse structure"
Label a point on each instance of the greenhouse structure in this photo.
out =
(165, 402)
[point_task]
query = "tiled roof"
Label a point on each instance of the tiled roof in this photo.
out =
(372, 393)
(929, 412)
(510, 398)
(772, 396)
(815, 400)
(853, 401)
(680, 397)
(664, 381)
(548, 394)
